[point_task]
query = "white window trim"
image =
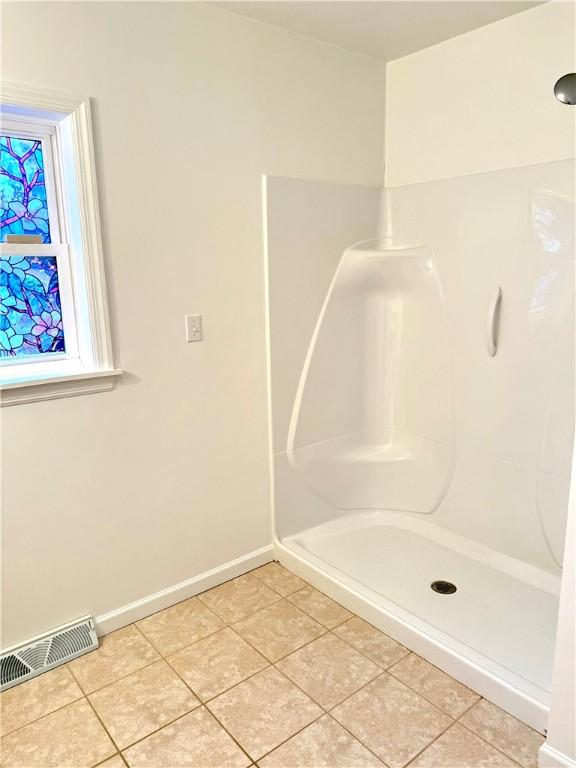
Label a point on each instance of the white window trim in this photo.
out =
(94, 371)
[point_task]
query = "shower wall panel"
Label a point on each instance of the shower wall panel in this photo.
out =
(309, 225)
(513, 413)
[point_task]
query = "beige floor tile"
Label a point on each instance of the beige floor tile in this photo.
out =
(38, 697)
(320, 607)
(142, 702)
(114, 762)
(279, 579)
(391, 720)
(217, 663)
(328, 670)
(238, 598)
(278, 630)
(371, 642)
(194, 741)
(264, 711)
(506, 733)
(72, 737)
(448, 694)
(120, 653)
(458, 748)
(180, 625)
(324, 744)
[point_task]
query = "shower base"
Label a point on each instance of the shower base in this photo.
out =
(495, 633)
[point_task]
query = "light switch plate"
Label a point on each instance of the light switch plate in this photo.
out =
(193, 327)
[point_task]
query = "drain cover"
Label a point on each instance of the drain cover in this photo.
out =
(443, 587)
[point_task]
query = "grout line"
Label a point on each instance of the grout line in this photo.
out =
(165, 656)
(46, 714)
(327, 712)
(253, 674)
(488, 742)
(42, 717)
(102, 762)
(442, 732)
(281, 658)
(96, 714)
(202, 704)
(277, 599)
(296, 733)
(425, 697)
(118, 754)
(123, 677)
(378, 663)
(161, 727)
(276, 562)
(234, 739)
(331, 628)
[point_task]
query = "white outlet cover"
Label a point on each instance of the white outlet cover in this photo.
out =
(193, 327)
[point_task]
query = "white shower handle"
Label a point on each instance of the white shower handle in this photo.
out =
(493, 323)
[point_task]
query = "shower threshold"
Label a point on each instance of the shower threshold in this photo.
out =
(495, 633)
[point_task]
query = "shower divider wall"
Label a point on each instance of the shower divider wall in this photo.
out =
(419, 430)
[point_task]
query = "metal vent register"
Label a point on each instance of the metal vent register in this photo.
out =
(47, 651)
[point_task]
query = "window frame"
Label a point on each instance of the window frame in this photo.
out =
(64, 122)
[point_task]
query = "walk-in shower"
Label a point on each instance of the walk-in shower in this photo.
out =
(421, 403)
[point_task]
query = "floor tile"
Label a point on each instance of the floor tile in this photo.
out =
(120, 653)
(320, 607)
(264, 711)
(391, 720)
(29, 701)
(113, 762)
(194, 741)
(279, 579)
(278, 630)
(216, 663)
(371, 642)
(142, 702)
(448, 694)
(328, 670)
(238, 598)
(509, 735)
(71, 737)
(323, 744)
(180, 625)
(458, 748)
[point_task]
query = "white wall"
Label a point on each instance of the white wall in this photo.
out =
(482, 101)
(108, 498)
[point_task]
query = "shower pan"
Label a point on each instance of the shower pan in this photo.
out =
(422, 412)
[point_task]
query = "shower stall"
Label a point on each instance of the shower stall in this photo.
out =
(421, 397)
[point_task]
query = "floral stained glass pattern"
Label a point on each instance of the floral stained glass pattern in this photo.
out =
(23, 205)
(30, 310)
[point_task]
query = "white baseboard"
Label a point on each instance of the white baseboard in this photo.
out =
(548, 757)
(127, 614)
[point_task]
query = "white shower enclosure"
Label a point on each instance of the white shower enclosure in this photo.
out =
(421, 399)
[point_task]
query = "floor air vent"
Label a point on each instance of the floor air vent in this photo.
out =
(62, 644)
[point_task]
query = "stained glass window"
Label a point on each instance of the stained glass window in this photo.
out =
(30, 309)
(24, 209)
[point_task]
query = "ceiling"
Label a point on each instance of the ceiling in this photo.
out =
(383, 29)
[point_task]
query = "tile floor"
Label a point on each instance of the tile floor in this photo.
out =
(261, 671)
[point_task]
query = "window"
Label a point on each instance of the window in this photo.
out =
(54, 332)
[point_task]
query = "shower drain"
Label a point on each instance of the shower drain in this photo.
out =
(443, 587)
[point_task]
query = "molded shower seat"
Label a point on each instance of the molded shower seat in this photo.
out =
(376, 470)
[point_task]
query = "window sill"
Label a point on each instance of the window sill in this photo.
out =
(54, 387)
